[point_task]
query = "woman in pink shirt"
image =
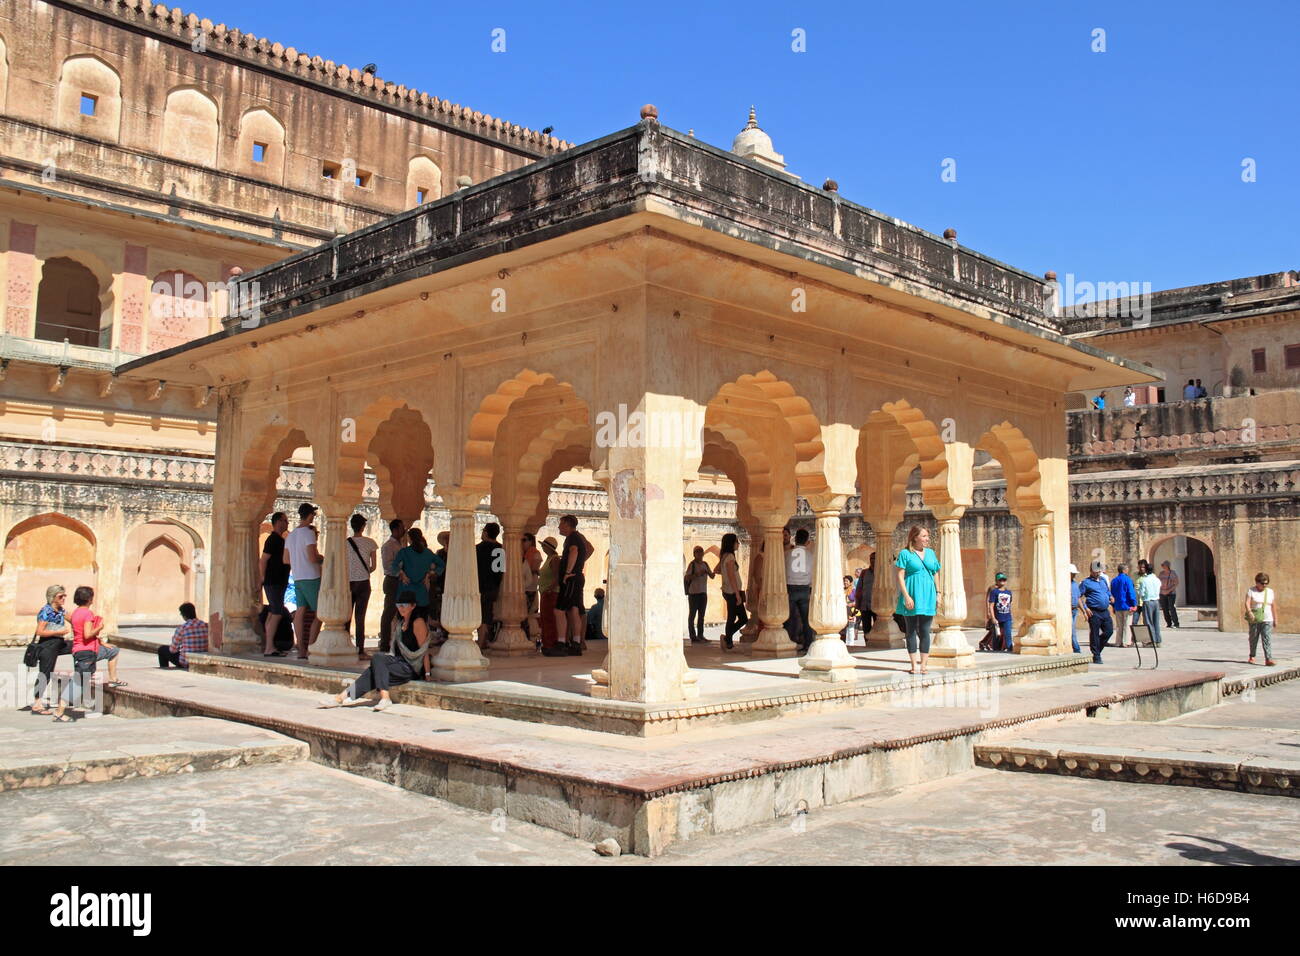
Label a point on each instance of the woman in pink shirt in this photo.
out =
(87, 650)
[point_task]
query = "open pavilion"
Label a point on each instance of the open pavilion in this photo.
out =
(647, 306)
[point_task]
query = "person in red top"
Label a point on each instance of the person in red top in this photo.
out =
(87, 650)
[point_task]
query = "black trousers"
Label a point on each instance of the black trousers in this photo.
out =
(698, 603)
(167, 656)
(1100, 628)
(384, 671)
(1169, 605)
(390, 611)
(360, 601)
(47, 654)
(736, 616)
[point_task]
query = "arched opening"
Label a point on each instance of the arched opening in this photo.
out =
(189, 127)
(68, 305)
(44, 550)
(159, 573)
(1193, 561)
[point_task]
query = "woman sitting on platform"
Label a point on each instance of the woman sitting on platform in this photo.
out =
(407, 663)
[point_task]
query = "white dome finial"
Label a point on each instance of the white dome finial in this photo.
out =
(752, 143)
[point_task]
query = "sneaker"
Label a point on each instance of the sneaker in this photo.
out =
(383, 705)
(556, 650)
(575, 649)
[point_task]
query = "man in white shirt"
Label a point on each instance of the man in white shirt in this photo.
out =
(305, 566)
(361, 564)
(798, 585)
(387, 555)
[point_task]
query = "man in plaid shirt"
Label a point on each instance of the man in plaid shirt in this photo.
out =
(190, 638)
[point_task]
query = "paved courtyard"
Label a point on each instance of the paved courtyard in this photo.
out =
(300, 812)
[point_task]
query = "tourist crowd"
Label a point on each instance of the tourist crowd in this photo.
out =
(414, 582)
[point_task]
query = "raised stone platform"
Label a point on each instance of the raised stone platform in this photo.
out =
(733, 689)
(649, 792)
(41, 753)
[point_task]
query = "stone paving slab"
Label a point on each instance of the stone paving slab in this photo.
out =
(95, 751)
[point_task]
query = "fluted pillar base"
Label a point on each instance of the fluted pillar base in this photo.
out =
(774, 642)
(511, 642)
(460, 661)
(950, 649)
(828, 659)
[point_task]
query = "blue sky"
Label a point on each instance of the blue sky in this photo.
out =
(1123, 165)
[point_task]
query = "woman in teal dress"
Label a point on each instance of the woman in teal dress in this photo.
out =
(413, 564)
(918, 593)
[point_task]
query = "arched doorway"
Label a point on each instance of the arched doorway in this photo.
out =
(159, 573)
(1193, 561)
(68, 305)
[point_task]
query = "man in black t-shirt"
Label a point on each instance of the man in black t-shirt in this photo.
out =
(491, 568)
(275, 579)
(569, 611)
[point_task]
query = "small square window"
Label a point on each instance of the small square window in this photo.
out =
(330, 171)
(1293, 356)
(362, 180)
(1259, 357)
(259, 152)
(88, 104)
(421, 194)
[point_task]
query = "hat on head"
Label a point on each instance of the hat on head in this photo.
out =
(550, 539)
(1074, 569)
(1098, 566)
(305, 510)
(999, 576)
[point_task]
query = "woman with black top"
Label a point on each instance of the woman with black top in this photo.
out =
(407, 663)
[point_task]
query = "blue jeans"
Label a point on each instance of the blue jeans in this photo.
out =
(1100, 628)
(1151, 614)
(1074, 632)
(1004, 625)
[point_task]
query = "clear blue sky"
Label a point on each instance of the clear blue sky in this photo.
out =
(1123, 165)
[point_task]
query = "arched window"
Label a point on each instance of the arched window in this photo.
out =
(189, 130)
(90, 97)
(68, 305)
(261, 145)
(423, 181)
(178, 310)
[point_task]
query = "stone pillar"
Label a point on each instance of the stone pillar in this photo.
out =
(828, 658)
(884, 589)
(334, 645)
(240, 580)
(949, 648)
(774, 606)
(511, 640)
(753, 586)
(460, 659)
(1040, 587)
(646, 660)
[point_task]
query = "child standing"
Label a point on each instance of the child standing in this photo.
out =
(999, 609)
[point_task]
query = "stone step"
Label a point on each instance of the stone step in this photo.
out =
(1250, 760)
(49, 754)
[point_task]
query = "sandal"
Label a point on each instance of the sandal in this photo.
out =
(42, 712)
(62, 719)
(117, 683)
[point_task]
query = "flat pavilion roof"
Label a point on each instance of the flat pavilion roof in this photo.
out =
(647, 175)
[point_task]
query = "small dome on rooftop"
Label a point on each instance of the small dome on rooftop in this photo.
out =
(752, 143)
